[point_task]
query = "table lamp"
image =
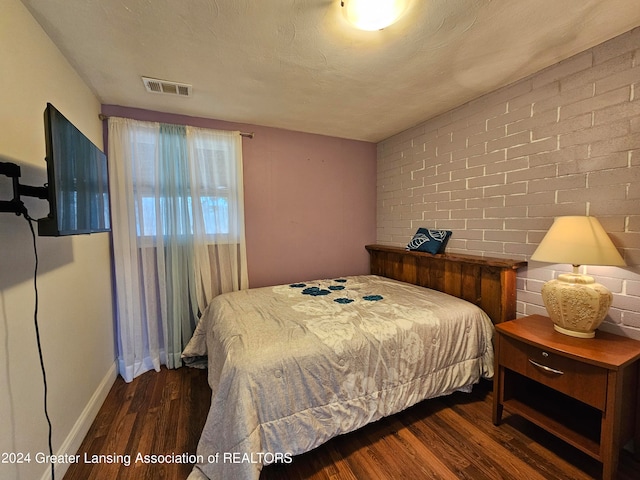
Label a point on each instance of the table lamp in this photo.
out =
(577, 304)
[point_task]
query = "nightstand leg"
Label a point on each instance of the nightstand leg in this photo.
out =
(636, 436)
(498, 381)
(498, 378)
(497, 415)
(610, 436)
(609, 469)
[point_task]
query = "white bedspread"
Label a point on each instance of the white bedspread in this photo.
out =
(295, 365)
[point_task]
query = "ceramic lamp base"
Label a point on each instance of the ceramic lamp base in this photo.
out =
(576, 304)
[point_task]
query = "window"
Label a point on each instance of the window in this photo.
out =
(193, 189)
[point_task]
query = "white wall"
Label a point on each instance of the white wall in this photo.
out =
(76, 315)
(496, 171)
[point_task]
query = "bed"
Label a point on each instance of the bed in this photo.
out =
(292, 366)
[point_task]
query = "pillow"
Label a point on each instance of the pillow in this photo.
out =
(430, 241)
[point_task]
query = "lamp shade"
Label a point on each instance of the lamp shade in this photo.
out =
(577, 241)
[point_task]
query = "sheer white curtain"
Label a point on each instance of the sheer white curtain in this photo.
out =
(178, 234)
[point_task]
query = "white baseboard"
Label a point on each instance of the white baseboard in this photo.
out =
(73, 441)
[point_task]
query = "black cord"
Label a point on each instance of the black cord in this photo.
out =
(35, 321)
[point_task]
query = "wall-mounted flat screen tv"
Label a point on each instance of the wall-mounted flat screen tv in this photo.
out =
(78, 185)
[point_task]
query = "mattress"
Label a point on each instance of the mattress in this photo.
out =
(292, 366)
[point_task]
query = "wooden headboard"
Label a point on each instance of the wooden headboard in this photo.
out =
(487, 282)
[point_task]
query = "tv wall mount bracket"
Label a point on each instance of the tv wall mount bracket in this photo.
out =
(15, 205)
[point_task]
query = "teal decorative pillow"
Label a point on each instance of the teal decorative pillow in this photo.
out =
(430, 241)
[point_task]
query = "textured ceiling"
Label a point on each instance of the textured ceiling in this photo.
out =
(297, 64)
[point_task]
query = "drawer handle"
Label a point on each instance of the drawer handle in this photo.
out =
(545, 368)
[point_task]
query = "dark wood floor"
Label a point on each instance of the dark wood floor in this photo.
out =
(444, 438)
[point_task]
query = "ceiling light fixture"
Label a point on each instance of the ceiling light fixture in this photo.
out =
(373, 14)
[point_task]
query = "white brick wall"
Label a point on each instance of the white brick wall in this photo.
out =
(497, 170)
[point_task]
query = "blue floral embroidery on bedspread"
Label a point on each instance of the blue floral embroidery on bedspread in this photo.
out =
(373, 298)
(343, 300)
(316, 291)
(341, 318)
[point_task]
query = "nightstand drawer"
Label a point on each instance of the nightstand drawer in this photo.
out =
(582, 381)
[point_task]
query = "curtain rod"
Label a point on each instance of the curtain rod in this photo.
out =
(103, 117)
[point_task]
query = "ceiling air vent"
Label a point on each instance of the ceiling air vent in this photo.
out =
(155, 85)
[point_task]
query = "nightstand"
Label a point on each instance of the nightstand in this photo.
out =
(584, 391)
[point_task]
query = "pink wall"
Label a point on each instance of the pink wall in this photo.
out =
(310, 200)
